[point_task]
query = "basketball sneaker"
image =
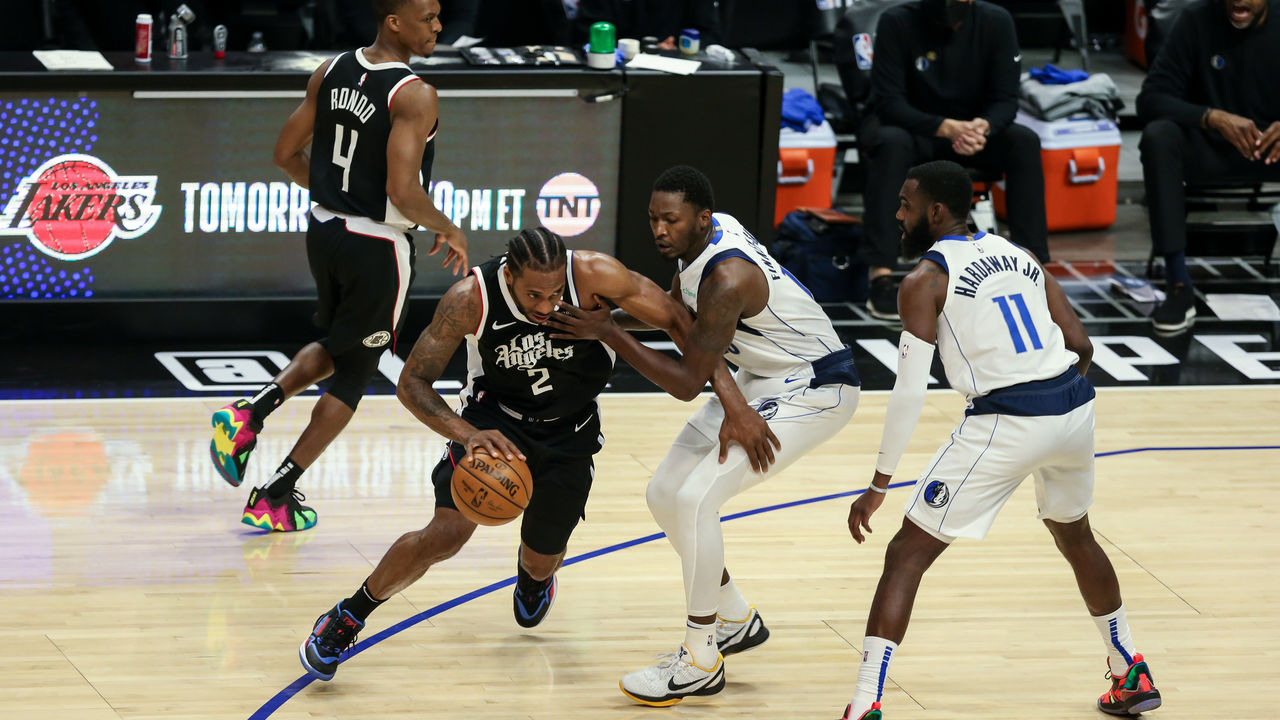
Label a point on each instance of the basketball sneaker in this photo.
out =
(530, 609)
(235, 433)
(1177, 312)
(335, 631)
(872, 714)
(674, 678)
(287, 514)
(1132, 693)
(734, 637)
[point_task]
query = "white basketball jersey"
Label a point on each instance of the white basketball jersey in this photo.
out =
(995, 329)
(790, 332)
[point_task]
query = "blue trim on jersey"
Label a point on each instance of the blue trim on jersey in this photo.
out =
(794, 279)
(797, 332)
(749, 330)
(1055, 396)
(937, 257)
(722, 255)
(719, 231)
(964, 238)
(956, 494)
(959, 349)
(838, 367)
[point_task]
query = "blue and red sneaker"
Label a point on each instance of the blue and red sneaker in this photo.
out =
(335, 631)
(1131, 693)
(530, 609)
(235, 433)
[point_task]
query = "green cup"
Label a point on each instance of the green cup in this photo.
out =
(604, 38)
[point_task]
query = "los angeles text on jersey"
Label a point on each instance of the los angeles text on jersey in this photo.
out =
(524, 351)
(975, 272)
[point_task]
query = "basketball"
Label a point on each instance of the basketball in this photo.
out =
(490, 490)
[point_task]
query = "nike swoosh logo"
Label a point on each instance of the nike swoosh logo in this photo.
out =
(496, 326)
(791, 380)
(576, 428)
(673, 687)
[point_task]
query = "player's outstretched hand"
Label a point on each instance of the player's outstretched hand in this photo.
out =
(575, 323)
(860, 513)
(747, 428)
(455, 260)
(494, 443)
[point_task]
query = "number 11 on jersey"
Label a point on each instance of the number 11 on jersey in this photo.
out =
(1014, 331)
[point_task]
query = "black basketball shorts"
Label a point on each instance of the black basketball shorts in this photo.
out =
(561, 481)
(363, 271)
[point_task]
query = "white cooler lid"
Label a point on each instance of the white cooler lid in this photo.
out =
(1071, 132)
(819, 136)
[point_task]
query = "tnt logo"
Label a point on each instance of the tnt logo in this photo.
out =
(568, 204)
(74, 205)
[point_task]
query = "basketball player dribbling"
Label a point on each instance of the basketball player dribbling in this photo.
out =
(527, 396)
(371, 125)
(1011, 343)
(800, 379)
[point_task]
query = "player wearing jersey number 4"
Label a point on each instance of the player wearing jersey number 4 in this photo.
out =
(1011, 343)
(370, 123)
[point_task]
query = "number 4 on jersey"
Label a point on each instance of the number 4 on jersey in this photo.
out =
(1014, 331)
(339, 158)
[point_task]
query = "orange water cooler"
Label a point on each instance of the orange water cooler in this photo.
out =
(1080, 159)
(806, 165)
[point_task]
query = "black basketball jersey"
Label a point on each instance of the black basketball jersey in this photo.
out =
(513, 361)
(349, 145)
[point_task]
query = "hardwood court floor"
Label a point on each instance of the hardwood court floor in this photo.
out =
(130, 589)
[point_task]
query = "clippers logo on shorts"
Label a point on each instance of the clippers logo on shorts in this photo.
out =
(568, 204)
(524, 351)
(936, 494)
(768, 409)
(863, 50)
(73, 206)
(378, 339)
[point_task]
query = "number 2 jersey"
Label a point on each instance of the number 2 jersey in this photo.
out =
(995, 329)
(513, 362)
(349, 145)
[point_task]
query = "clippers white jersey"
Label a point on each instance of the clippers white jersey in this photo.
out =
(995, 329)
(790, 333)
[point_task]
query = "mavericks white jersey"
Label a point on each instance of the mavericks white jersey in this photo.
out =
(995, 329)
(790, 333)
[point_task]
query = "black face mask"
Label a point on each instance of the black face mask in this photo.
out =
(958, 13)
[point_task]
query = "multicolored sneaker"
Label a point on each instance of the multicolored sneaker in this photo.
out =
(287, 514)
(734, 637)
(235, 433)
(335, 631)
(872, 714)
(1132, 693)
(530, 609)
(675, 677)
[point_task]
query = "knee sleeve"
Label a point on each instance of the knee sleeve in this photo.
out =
(351, 373)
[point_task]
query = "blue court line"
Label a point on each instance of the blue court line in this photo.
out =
(298, 685)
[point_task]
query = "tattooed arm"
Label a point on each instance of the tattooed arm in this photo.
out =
(457, 314)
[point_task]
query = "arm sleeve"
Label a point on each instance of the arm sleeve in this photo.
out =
(889, 80)
(1003, 71)
(915, 356)
(1164, 92)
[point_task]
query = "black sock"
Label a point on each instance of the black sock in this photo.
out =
(1175, 270)
(285, 479)
(266, 401)
(526, 583)
(362, 602)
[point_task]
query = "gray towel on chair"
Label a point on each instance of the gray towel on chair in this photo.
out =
(1096, 97)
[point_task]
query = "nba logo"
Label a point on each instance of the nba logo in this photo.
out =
(862, 50)
(568, 204)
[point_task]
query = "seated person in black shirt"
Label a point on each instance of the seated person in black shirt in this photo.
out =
(663, 19)
(944, 86)
(1212, 114)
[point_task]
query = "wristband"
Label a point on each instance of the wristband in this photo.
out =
(883, 491)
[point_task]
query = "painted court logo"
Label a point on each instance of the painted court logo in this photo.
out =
(74, 205)
(568, 204)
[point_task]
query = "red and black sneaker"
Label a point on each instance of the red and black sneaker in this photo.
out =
(1132, 693)
(335, 631)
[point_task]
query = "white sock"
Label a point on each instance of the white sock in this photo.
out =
(733, 607)
(874, 670)
(1114, 629)
(701, 641)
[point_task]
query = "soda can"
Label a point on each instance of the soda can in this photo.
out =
(142, 38)
(220, 42)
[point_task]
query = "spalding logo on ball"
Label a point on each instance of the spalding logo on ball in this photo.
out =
(74, 205)
(568, 204)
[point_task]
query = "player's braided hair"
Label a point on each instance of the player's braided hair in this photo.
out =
(536, 248)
